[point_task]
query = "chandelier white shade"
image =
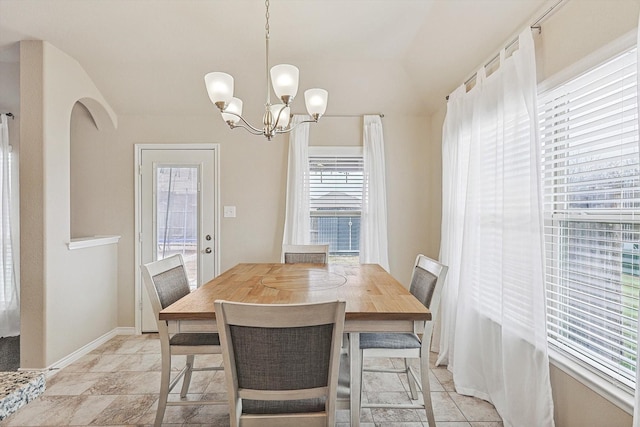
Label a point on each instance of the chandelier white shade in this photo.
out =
(233, 111)
(316, 101)
(219, 86)
(284, 80)
(281, 114)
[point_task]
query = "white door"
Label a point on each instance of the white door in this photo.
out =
(177, 215)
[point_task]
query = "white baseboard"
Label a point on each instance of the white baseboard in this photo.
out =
(68, 360)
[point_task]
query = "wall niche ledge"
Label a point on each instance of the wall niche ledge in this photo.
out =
(90, 241)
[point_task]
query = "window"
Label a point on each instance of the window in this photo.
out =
(335, 192)
(591, 186)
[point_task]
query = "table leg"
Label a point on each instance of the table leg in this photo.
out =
(355, 377)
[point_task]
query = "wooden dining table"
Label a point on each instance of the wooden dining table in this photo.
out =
(375, 302)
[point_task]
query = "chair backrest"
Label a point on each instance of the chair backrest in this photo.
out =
(314, 254)
(166, 282)
(281, 361)
(427, 280)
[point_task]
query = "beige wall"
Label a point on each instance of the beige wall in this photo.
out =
(68, 297)
(253, 178)
(32, 316)
(90, 176)
(577, 29)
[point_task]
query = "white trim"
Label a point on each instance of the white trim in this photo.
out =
(594, 382)
(203, 146)
(343, 150)
(137, 272)
(594, 59)
(86, 349)
(90, 241)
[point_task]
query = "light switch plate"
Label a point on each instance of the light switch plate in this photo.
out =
(229, 211)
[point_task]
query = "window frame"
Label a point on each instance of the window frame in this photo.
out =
(574, 367)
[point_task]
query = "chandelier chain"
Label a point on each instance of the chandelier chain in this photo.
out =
(266, 15)
(266, 60)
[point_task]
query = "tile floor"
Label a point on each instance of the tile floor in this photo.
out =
(117, 384)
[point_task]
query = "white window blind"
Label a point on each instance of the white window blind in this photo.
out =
(591, 186)
(335, 189)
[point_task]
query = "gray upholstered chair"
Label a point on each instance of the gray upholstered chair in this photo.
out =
(166, 282)
(314, 254)
(426, 285)
(282, 362)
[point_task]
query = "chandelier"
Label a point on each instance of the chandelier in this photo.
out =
(276, 119)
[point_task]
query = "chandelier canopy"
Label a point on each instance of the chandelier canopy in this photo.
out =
(276, 119)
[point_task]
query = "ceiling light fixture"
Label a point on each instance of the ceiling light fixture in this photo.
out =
(276, 120)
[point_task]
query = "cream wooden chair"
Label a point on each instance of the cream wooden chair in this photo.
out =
(315, 254)
(426, 285)
(282, 362)
(166, 282)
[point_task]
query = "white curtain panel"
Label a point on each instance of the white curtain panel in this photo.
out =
(373, 225)
(9, 294)
(500, 345)
(456, 140)
(296, 223)
(636, 406)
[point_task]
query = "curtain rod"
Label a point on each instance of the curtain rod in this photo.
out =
(10, 115)
(535, 25)
(352, 115)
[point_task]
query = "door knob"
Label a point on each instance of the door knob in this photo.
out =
(208, 250)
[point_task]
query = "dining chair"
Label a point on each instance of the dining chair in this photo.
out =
(427, 280)
(282, 362)
(166, 282)
(315, 254)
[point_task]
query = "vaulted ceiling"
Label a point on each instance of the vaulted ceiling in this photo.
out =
(150, 56)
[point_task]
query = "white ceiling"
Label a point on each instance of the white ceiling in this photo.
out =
(150, 56)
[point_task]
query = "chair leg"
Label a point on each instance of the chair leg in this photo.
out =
(426, 388)
(411, 380)
(165, 378)
(355, 418)
(187, 376)
(345, 344)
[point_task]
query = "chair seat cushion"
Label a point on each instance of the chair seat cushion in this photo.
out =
(195, 339)
(389, 340)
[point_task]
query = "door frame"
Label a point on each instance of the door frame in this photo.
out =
(138, 284)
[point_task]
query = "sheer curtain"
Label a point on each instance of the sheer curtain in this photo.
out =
(456, 140)
(499, 342)
(373, 225)
(296, 223)
(9, 295)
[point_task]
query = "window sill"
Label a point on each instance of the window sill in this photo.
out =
(614, 394)
(88, 242)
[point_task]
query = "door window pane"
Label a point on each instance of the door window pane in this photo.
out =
(177, 216)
